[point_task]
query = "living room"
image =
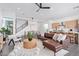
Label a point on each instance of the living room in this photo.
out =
(40, 29)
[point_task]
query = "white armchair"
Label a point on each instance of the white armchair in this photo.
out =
(13, 38)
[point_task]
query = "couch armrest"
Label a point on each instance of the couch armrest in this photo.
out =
(65, 43)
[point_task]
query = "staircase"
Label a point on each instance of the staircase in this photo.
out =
(22, 27)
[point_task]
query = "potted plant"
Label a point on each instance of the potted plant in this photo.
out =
(30, 35)
(5, 32)
(30, 42)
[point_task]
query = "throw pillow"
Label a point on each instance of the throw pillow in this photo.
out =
(63, 37)
(59, 37)
(55, 37)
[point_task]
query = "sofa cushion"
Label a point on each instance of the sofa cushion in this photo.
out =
(55, 36)
(59, 37)
(52, 45)
(48, 35)
(63, 37)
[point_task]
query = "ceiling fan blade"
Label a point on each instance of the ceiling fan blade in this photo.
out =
(45, 8)
(37, 5)
(41, 7)
(38, 10)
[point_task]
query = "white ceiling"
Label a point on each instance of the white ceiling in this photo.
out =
(58, 10)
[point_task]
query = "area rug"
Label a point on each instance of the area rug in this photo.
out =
(38, 51)
(62, 52)
(47, 52)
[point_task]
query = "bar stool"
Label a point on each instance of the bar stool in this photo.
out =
(72, 39)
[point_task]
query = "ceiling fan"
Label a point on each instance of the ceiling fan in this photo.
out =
(41, 6)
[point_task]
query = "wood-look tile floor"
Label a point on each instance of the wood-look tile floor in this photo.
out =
(73, 50)
(6, 49)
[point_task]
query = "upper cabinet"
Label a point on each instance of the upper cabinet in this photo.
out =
(55, 25)
(71, 24)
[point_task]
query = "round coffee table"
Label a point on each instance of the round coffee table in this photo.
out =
(30, 44)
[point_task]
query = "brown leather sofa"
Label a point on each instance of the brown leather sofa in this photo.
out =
(46, 36)
(65, 43)
(42, 38)
(52, 45)
(49, 35)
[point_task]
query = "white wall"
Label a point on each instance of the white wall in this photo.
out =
(20, 22)
(33, 25)
(0, 19)
(41, 27)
